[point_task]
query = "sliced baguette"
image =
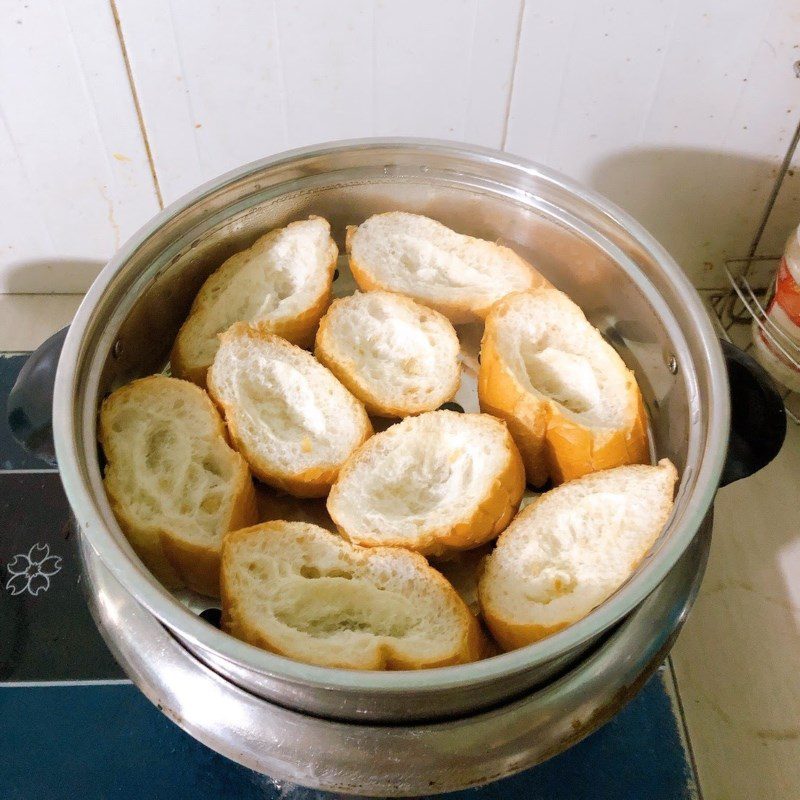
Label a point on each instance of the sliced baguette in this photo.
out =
(282, 284)
(300, 591)
(571, 404)
(571, 549)
(290, 418)
(437, 482)
(396, 356)
(174, 484)
(455, 274)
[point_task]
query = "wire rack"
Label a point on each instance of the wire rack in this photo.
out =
(735, 309)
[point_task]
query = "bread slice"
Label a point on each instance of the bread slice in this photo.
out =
(396, 356)
(290, 418)
(298, 590)
(455, 274)
(282, 284)
(431, 483)
(175, 486)
(571, 549)
(570, 402)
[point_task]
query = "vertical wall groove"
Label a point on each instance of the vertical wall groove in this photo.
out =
(136, 103)
(513, 74)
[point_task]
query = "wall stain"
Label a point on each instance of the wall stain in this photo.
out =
(112, 220)
(765, 734)
(746, 586)
(778, 734)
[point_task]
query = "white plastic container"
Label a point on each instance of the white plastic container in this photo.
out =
(777, 337)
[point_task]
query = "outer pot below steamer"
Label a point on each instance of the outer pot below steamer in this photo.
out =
(394, 760)
(627, 284)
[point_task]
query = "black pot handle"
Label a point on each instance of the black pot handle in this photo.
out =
(30, 402)
(758, 416)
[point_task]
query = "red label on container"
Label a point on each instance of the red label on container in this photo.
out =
(787, 293)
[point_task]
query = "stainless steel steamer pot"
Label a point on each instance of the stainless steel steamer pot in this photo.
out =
(627, 284)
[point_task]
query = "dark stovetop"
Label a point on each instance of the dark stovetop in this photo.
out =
(74, 727)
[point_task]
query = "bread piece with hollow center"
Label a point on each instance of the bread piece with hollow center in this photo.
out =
(571, 404)
(458, 275)
(290, 418)
(571, 549)
(281, 284)
(300, 591)
(175, 486)
(430, 483)
(396, 356)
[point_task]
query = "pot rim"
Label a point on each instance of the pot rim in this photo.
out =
(117, 555)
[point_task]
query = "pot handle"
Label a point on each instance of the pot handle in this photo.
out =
(758, 416)
(30, 402)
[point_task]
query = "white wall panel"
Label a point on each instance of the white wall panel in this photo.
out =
(680, 110)
(209, 81)
(444, 69)
(222, 84)
(74, 176)
(327, 58)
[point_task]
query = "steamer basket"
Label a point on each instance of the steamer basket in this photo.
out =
(626, 283)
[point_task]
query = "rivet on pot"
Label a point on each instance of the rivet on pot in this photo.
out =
(117, 349)
(672, 364)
